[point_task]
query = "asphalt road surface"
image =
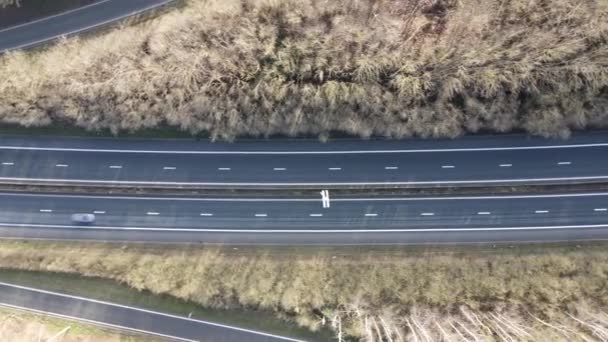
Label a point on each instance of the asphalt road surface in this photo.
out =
(294, 220)
(483, 160)
(74, 21)
(172, 327)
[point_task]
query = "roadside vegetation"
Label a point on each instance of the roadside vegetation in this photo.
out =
(6, 3)
(391, 68)
(22, 326)
(529, 293)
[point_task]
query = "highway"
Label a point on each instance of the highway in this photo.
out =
(99, 13)
(301, 220)
(471, 161)
(163, 325)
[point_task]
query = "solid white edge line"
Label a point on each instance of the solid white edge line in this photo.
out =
(147, 311)
(479, 149)
(360, 199)
(82, 29)
(93, 322)
(53, 16)
(322, 231)
(477, 181)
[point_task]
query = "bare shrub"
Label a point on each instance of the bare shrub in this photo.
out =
(6, 3)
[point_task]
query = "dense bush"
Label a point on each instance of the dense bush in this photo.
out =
(368, 67)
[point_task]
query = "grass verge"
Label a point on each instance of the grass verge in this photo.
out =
(24, 326)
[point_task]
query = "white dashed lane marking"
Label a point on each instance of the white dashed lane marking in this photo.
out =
(279, 169)
(505, 165)
(46, 210)
(371, 215)
(8, 163)
(600, 209)
(335, 168)
(99, 212)
(564, 163)
(448, 167)
(261, 215)
(223, 168)
(153, 213)
(484, 213)
(169, 168)
(427, 214)
(61, 165)
(391, 168)
(206, 214)
(115, 167)
(541, 211)
(315, 215)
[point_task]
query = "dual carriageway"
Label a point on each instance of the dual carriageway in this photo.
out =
(295, 170)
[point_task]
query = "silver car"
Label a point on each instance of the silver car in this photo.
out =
(83, 219)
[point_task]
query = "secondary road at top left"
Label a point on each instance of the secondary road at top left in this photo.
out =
(74, 21)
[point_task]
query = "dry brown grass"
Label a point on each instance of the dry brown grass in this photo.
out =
(19, 326)
(6, 3)
(522, 295)
(368, 67)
